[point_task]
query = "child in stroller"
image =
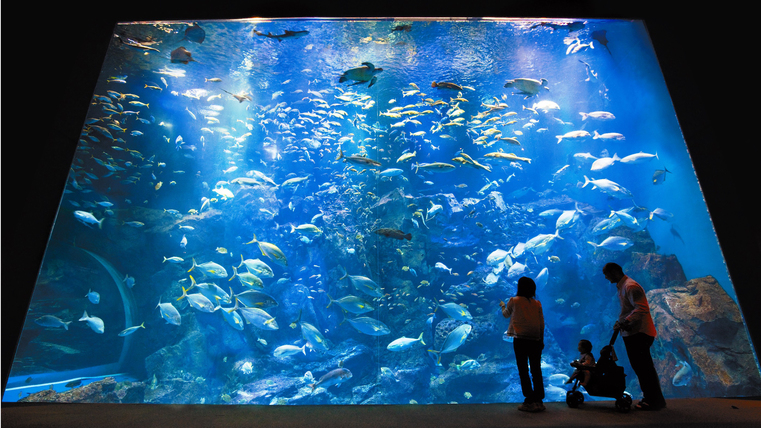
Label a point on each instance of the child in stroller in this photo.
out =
(586, 360)
(606, 379)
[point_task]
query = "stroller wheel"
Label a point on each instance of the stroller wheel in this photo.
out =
(628, 398)
(574, 398)
(624, 404)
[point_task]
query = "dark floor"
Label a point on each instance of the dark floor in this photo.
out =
(693, 413)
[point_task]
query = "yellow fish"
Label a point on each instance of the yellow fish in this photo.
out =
(271, 251)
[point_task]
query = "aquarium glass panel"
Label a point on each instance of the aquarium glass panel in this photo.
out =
(330, 211)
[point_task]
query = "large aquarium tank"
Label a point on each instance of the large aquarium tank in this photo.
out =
(329, 211)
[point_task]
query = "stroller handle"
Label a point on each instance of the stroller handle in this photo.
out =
(615, 336)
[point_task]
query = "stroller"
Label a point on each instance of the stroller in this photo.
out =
(607, 380)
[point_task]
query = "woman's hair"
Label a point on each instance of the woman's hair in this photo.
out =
(586, 345)
(526, 287)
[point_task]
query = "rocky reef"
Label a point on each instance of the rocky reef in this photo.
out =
(102, 391)
(703, 347)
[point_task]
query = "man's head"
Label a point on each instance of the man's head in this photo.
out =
(613, 272)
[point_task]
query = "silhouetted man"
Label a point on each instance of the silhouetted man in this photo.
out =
(638, 331)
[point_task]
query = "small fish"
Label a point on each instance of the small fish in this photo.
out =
(130, 330)
(93, 296)
(73, 383)
(659, 177)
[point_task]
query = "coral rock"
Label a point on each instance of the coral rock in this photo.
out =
(702, 326)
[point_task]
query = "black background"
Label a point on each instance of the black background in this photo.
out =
(52, 54)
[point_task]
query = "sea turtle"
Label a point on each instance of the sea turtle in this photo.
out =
(529, 87)
(363, 74)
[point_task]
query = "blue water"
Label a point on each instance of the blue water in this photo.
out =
(177, 139)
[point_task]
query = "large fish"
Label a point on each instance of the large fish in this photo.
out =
(197, 301)
(255, 299)
(334, 377)
(316, 340)
(95, 323)
(88, 219)
(353, 304)
(288, 350)
(359, 160)
(364, 284)
(232, 317)
(393, 233)
(611, 188)
(169, 313)
(456, 311)
(658, 177)
(638, 158)
(51, 321)
(370, 326)
(434, 167)
(568, 218)
(454, 340)
(507, 157)
(516, 270)
(288, 34)
(542, 242)
(573, 135)
(247, 279)
(404, 343)
(257, 267)
(541, 279)
(613, 243)
(209, 269)
(259, 318)
(213, 292)
(597, 115)
(271, 251)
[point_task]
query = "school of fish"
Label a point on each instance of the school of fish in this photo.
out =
(327, 148)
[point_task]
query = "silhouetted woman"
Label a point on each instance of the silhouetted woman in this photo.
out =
(527, 330)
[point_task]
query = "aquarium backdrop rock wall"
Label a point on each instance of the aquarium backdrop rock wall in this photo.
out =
(326, 211)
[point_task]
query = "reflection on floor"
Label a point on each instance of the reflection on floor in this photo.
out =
(695, 413)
